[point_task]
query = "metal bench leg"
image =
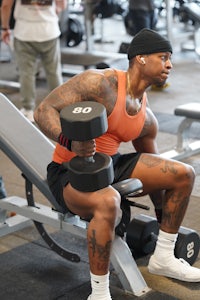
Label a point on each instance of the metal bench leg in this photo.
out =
(126, 268)
(184, 148)
(183, 135)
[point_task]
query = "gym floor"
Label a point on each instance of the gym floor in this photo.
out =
(29, 270)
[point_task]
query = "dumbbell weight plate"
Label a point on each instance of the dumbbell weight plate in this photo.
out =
(83, 121)
(141, 233)
(187, 245)
(91, 176)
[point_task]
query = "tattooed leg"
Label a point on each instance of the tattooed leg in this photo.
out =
(100, 251)
(169, 184)
(176, 179)
(100, 237)
(177, 198)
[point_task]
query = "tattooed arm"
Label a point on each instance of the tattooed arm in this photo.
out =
(92, 85)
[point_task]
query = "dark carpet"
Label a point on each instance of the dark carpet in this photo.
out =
(34, 272)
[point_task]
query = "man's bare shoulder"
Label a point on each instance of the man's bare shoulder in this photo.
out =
(91, 85)
(96, 76)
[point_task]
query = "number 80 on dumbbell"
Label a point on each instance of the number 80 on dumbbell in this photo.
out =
(142, 233)
(84, 121)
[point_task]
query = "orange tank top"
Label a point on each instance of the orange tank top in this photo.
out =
(121, 126)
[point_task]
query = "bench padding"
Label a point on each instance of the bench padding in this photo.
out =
(26, 146)
(188, 110)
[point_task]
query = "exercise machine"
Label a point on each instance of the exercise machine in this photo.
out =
(89, 57)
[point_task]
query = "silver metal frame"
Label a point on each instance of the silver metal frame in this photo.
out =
(184, 146)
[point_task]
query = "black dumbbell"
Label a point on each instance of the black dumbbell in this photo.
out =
(84, 121)
(140, 236)
(142, 233)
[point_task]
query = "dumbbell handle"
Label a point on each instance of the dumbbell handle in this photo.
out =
(151, 238)
(89, 159)
(136, 204)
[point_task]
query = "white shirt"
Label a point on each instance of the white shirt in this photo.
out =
(36, 20)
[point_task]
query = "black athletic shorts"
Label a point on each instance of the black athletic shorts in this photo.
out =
(57, 175)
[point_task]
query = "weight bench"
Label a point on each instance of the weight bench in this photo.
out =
(31, 151)
(84, 59)
(184, 148)
(90, 59)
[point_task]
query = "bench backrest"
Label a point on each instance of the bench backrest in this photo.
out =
(28, 148)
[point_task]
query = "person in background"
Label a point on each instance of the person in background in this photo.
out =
(143, 15)
(36, 35)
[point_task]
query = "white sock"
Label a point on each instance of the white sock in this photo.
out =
(165, 246)
(100, 287)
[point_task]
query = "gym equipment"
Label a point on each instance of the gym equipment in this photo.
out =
(142, 234)
(83, 121)
(184, 148)
(2, 189)
(11, 85)
(89, 57)
(187, 245)
(31, 152)
(126, 205)
(75, 31)
(123, 48)
(106, 8)
(191, 13)
(188, 13)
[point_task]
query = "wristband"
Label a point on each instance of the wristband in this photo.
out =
(4, 29)
(64, 141)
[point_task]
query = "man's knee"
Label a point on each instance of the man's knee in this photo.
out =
(109, 206)
(186, 174)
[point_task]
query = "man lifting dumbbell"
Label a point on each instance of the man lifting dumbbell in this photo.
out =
(169, 183)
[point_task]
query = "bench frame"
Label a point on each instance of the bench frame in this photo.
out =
(31, 152)
(184, 147)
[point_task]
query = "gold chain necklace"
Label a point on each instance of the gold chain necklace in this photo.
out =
(135, 101)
